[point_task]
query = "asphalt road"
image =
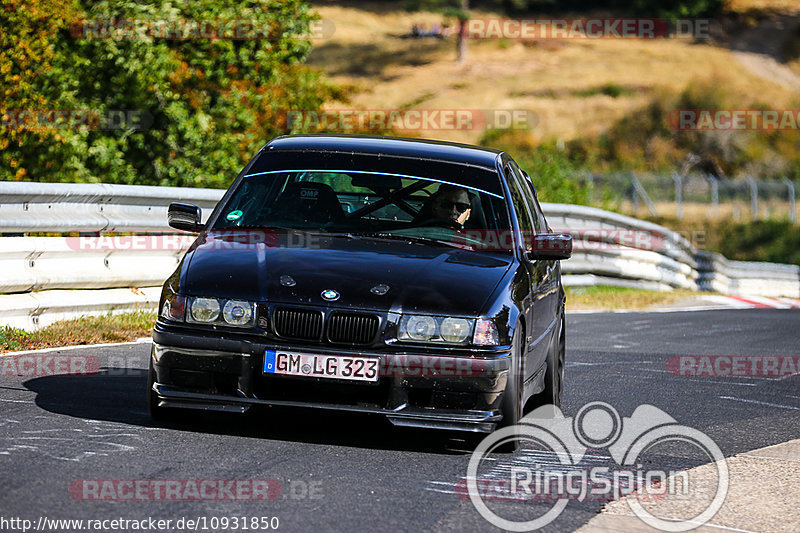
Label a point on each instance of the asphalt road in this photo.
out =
(356, 473)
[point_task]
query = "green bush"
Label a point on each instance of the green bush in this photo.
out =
(554, 175)
(647, 140)
(764, 240)
(213, 102)
(774, 240)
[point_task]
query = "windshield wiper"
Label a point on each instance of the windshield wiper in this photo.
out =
(409, 238)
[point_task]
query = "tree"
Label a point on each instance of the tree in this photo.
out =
(204, 106)
(458, 9)
(26, 55)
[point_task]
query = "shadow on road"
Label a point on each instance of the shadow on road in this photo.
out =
(118, 395)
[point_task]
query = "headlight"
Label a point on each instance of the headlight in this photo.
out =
(204, 309)
(456, 330)
(218, 311)
(237, 313)
(436, 329)
(421, 328)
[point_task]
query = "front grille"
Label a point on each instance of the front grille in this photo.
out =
(298, 324)
(352, 328)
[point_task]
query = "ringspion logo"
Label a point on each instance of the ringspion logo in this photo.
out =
(559, 471)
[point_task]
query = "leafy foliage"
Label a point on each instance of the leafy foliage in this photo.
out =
(777, 241)
(554, 175)
(645, 140)
(207, 104)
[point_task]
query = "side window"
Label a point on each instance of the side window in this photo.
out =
(521, 207)
(540, 215)
(530, 197)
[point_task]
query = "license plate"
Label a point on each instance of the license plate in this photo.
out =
(321, 366)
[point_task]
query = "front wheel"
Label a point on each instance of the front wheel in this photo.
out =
(512, 397)
(554, 375)
(511, 403)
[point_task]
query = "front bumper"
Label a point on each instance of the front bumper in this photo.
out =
(457, 391)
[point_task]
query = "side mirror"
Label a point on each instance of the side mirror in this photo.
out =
(551, 246)
(185, 217)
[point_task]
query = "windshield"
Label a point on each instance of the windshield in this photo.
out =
(363, 203)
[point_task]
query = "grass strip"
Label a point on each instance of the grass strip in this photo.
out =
(120, 327)
(608, 298)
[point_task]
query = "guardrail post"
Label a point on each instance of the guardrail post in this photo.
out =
(753, 196)
(714, 193)
(639, 189)
(792, 212)
(678, 194)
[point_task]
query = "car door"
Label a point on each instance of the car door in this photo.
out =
(536, 327)
(544, 279)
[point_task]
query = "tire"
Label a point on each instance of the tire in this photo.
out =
(554, 375)
(511, 403)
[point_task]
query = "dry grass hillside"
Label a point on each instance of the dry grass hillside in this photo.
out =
(576, 88)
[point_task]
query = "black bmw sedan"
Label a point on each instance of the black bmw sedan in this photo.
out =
(413, 279)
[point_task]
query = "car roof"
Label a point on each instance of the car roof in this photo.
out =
(389, 146)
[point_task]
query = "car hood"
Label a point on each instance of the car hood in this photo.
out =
(420, 277)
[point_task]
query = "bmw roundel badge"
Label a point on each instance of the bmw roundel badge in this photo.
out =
(330, 295)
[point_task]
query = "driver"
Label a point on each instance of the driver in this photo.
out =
(451, 203)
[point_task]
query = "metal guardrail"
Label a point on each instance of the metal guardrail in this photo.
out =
(609, 248)
(91, 207)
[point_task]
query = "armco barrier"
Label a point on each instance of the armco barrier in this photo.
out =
(63, 207)
(45, 263)
(608, 249)
(33, 310)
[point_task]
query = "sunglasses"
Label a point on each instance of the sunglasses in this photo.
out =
(449, 204)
